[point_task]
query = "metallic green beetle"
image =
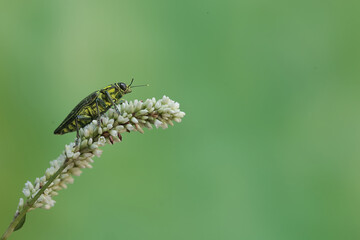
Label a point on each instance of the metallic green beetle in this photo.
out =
(92, 107)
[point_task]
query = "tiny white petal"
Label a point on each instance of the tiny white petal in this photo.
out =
(113, 133)
(134, 120)
(130, 127)
(21, 202)
(97, 152)
(69, 154)
(48, 173)
(43, 179)
(56, 181)
(64, 175)
(47, 207)
(56, 188)
(148, 125)
(29, 185)
(94, 146)
(119, 127)
(76, 171)
(76, 155)
(38, 205)
(26, 192)
(123, 119)
(37, 180)
(87, 155)
(139, 129)
(157, 123)
(84, 143)
(86, 133)
(177, 120)
(68, 148)
(149, 105)
(143, 111)
(69, 180)
(88, 165)
(157, 105)
(102, 141)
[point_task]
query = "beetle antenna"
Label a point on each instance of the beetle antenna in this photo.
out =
(132, 80)
(144, 85)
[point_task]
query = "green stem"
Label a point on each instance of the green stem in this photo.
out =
(31, 202)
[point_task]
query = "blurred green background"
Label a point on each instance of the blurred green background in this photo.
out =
(269, 146)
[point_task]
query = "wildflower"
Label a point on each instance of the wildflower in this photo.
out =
(134, 117)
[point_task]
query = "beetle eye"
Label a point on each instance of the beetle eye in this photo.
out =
(123, 86)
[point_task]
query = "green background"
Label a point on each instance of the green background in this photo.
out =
(269, 146)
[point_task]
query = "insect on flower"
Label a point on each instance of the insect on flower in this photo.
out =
(93, 106)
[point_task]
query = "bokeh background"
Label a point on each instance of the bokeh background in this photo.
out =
(269, 146)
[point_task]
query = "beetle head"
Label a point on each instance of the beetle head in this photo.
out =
(123, 88)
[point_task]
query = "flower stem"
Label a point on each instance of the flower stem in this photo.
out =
(31, 202)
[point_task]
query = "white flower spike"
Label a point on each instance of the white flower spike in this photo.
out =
(134, 117)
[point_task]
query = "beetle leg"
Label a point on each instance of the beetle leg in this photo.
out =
(77, 127)
(112, 102)
(98, 112)
(99, 102)
(77, 132)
